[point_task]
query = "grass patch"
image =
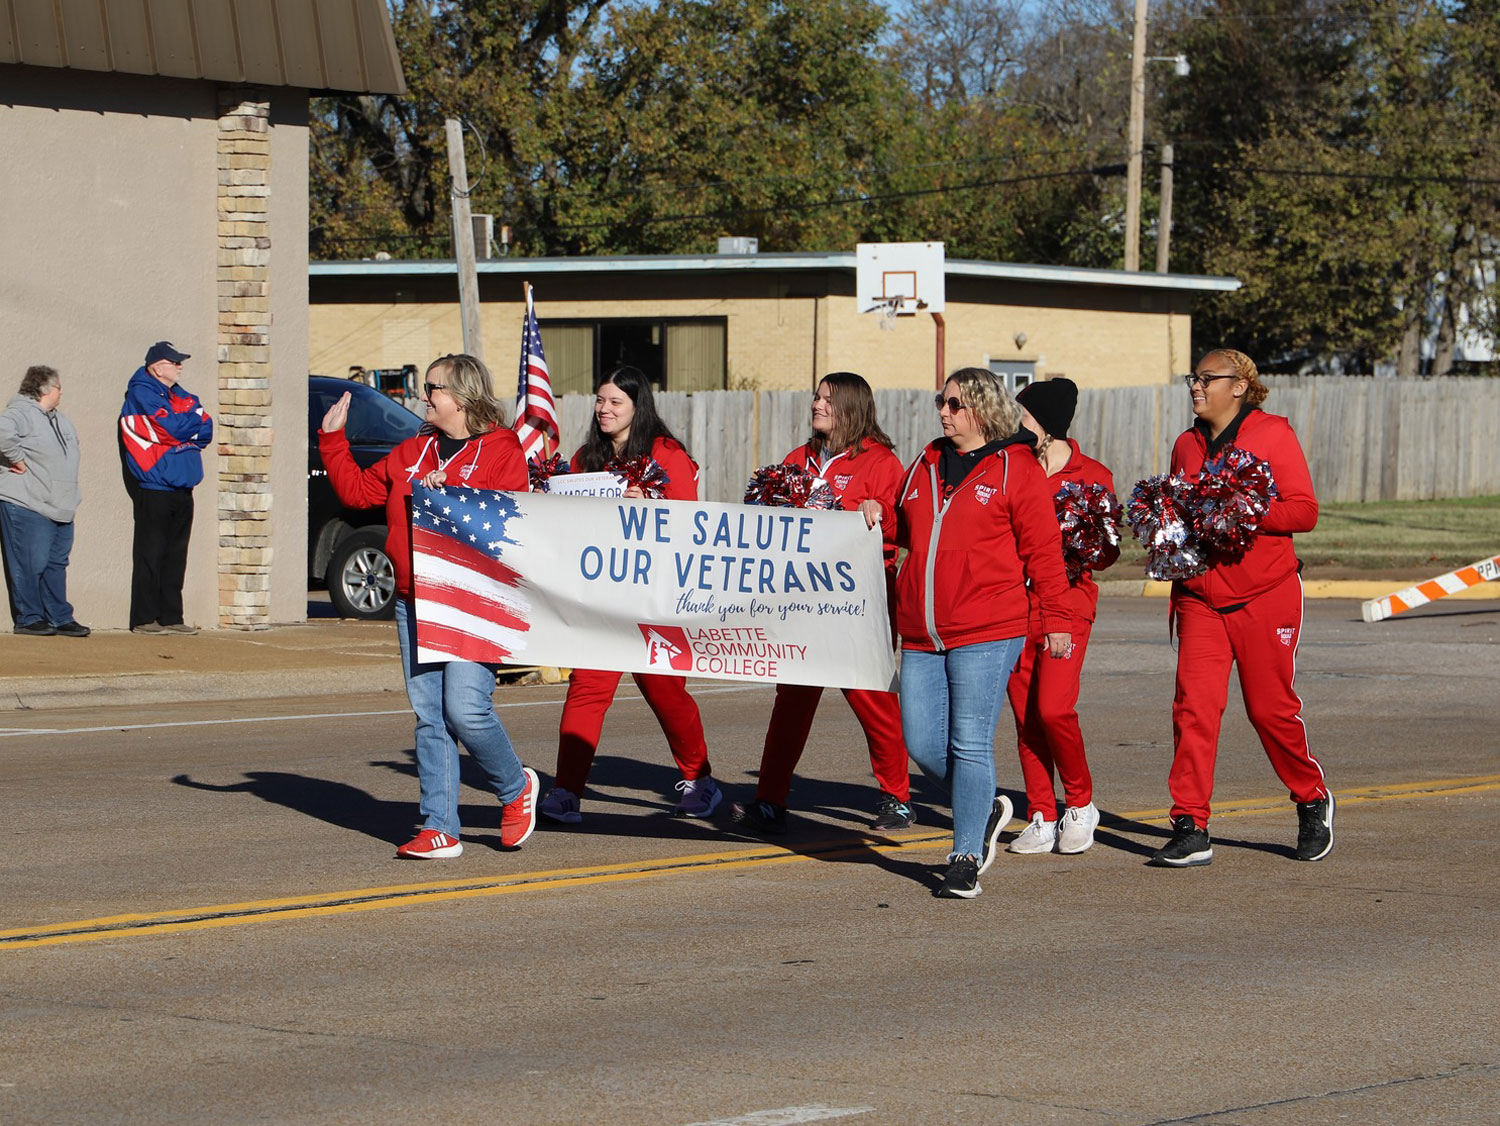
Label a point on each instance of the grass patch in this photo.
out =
(1422, 537)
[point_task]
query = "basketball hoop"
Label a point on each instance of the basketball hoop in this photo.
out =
(890, 310)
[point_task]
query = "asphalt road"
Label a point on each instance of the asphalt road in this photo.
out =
(203, 920)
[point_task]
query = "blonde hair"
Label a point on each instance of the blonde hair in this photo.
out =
(472, 388)
(1244, 368)
(997, 413)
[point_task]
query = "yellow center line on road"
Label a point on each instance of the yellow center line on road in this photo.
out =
(378, 898)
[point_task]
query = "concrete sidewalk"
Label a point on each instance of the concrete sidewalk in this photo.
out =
(116, 666)
(317, 657)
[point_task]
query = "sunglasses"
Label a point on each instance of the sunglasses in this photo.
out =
(429, 388)
(1202, 380)
(953, 405)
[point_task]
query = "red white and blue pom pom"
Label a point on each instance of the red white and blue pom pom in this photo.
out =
(789, 486)
(641, 473)
(542, 469)
(1089, 518)
(1160, 515)
(1229, 502)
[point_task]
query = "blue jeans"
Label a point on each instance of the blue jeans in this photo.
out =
(36, 555)
(454, 702)
(950, 704)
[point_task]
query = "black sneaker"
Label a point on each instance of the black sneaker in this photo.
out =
(1188, 847)
(893, 814)
(37, 629)
(1000, 813)
(961, 880)
(761, 817)
(73, 629)
(1315, 828)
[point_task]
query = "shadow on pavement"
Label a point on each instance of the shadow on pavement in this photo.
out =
(336, 803)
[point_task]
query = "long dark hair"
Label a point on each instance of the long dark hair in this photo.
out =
(645, 428)
(854, 417)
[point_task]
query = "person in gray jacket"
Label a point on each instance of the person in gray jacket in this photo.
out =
(38, 496)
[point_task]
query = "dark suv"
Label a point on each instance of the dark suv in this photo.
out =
(346, 546)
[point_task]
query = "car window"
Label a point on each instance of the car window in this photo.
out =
(373, 418)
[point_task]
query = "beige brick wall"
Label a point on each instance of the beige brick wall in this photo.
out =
(780, 342)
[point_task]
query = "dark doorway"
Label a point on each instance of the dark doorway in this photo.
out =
(635, 343)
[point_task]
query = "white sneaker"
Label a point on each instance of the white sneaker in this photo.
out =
(1039, 836)
(561, 806)
(700, 797)
(1075, 832)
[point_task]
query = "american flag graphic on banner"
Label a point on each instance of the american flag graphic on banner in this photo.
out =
(470, 606)
(536, 411)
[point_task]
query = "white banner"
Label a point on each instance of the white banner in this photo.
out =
(730, 591)
(586, 485)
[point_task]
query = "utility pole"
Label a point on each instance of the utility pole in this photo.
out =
(1137, 140)
(1164, 217)
(463, 241)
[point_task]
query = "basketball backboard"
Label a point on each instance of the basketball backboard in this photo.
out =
(899, 278)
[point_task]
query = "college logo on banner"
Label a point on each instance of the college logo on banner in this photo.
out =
(732, 591)
(667, 648)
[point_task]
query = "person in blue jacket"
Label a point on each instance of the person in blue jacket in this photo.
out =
(163, 430)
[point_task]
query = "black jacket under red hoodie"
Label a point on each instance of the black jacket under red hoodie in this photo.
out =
(970, 553)
(1271, 559)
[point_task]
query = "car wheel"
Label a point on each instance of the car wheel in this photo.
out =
(361, 580)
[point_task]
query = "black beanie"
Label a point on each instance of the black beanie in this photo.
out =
(1051, 402)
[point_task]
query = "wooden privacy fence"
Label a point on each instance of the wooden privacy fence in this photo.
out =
(1365, 439)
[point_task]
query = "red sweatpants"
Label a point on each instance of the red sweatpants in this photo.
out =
(1262, 639)
(879, 713)
(590, 692)
(1044, 697)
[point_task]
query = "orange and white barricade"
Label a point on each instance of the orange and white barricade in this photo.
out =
(1378, 609)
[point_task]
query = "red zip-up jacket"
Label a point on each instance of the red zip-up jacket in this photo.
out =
(875, 474)
(1082, 600)
(963, 581)
(681, 470)
(1271, 558)
(489, 461)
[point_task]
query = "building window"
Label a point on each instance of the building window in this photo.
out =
(675, 355)
(1015, 374)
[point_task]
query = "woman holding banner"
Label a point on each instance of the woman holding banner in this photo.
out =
(851, 453)
(1044, 694)
(465, 438)
(627, 428)
(977, 518)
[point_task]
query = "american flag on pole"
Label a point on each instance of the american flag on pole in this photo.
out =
(470, 606)
(536, 412)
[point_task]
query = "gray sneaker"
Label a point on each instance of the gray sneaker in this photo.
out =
(700, 797)
(561, 806)
(1075, 832)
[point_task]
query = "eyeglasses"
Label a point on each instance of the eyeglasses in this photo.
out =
(954, 405)
(429, 388)
(1202, 380)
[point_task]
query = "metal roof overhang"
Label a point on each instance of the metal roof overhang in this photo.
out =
(713, 263)
(316, 44)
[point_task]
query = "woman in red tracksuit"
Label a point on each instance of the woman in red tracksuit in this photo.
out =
(853, 455)
(464, 442)
(627, 426)
(977, 518)
(1246, 612)
(1044, 694)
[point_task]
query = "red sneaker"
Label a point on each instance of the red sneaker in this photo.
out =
(429, 844)
(518, 818)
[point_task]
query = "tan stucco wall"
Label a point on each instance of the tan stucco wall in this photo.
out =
(288, 219)
(781, 342)
(108, 231)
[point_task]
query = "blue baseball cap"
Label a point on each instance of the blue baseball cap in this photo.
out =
(162, 350)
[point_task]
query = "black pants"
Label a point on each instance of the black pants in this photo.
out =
(163, 522)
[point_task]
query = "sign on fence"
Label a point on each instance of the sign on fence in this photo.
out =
(729, 591)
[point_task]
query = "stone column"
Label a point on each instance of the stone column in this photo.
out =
(243, 427)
